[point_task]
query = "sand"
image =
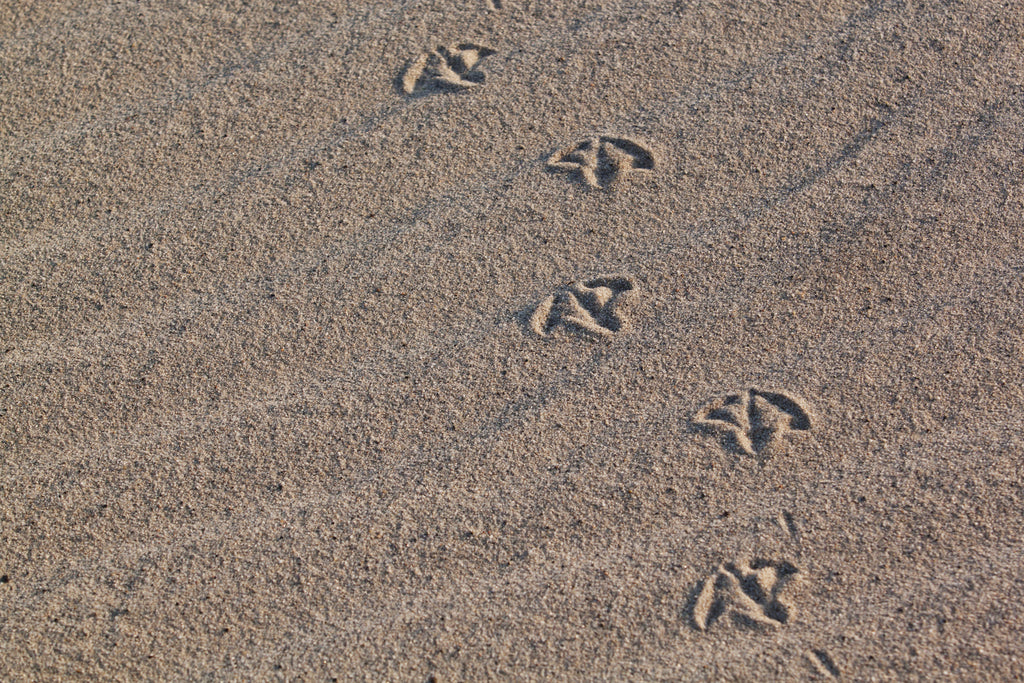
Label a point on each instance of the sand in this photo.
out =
(525, 340)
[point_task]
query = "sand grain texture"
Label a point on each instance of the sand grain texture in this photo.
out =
(272, 405)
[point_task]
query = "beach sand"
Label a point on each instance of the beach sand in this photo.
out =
(440, 340)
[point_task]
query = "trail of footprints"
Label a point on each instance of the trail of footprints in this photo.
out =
(600, 161)
(753, 421)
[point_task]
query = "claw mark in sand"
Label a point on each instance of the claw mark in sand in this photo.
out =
(788, 524)
(823, 664)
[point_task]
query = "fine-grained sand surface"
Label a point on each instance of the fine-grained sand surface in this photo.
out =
(597, 340)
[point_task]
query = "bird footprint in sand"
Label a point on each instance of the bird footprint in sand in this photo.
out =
(755, 420)
(452, 67)
(588, 308)
(748, 591)
(601, 161)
